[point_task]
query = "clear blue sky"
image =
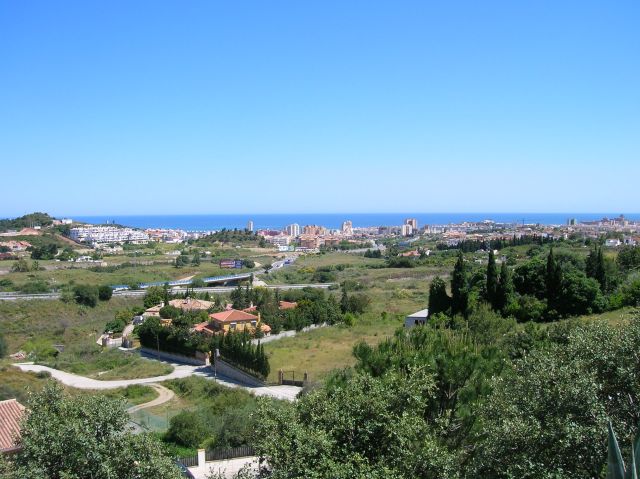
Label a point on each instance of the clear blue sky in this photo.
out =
(116, 107)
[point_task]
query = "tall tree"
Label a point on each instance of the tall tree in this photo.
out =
(459, 287)
(492, 280)
(504, 291)
(439, 300)
(84, 437)
(553, 280)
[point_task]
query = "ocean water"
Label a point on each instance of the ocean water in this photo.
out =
(334, 220)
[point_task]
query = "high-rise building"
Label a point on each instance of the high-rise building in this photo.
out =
(407, 230)
(293, 229)
(314, 230)
(250, 225)
(347, 228)
(413, 222)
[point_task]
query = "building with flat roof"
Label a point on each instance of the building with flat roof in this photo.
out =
(413, 222)
(293, 229)
(417, 319)
(107, 234)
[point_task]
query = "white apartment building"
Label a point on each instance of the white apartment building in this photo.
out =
(347, 228)
(107, 234)
(278, 240)
(293, 230)
(406, 230)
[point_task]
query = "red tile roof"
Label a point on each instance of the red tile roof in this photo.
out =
(11, 413)
(232, 315)
(287, 305)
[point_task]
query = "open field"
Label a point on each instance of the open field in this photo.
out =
(107, 365)
(322, 350)
(57, 322)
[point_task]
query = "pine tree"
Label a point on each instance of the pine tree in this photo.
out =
(459, 287)
(492, 280)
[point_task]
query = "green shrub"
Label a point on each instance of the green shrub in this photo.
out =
(104, 293)
(86, 295)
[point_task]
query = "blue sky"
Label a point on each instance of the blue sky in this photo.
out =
(361, 106)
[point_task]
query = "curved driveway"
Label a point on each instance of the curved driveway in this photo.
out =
(288, 393)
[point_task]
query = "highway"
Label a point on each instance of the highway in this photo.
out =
(140, 292)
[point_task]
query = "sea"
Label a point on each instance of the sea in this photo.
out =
(334, 220)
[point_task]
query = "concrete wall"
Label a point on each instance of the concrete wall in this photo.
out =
(225, 369)
(286, 334)
(200, 360)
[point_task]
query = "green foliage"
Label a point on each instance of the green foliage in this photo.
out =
(547, 417)
(219, 417)
(105, 293)
(48, 251)
(86, 295)
(439, 300)
(20, 266)
(237, 349)
(629, 258)
(154, 296)
(4, 348)
(459, 287)
(84, 437)
(359, 426)
(26, 221)
(34, 286)
(491, 288)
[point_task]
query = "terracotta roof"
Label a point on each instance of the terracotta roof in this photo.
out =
(205, 327)
(232, 315)
(11, 413)
(287, 305)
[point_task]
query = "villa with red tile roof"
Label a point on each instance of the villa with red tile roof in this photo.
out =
(11, 413)
(231, 320)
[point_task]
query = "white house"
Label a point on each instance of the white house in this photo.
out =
(416, 319)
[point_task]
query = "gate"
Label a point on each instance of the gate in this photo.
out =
(288, 378)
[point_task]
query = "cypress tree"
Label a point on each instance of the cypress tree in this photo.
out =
(439, 300)
(601, 272)
(505, 288)
(492, 280)
(553, 280)
(459, 287)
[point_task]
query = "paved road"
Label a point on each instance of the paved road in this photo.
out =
(164, 395)
(288, 393)
(142, 292)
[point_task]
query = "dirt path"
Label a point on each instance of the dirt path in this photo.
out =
(164, 395)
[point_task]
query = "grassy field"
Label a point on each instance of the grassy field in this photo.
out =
(107, 365)
(56, 322)
(319, 351)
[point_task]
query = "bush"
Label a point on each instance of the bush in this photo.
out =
(35, 287)
(186, 429)
(104, 293)
(86, 295)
